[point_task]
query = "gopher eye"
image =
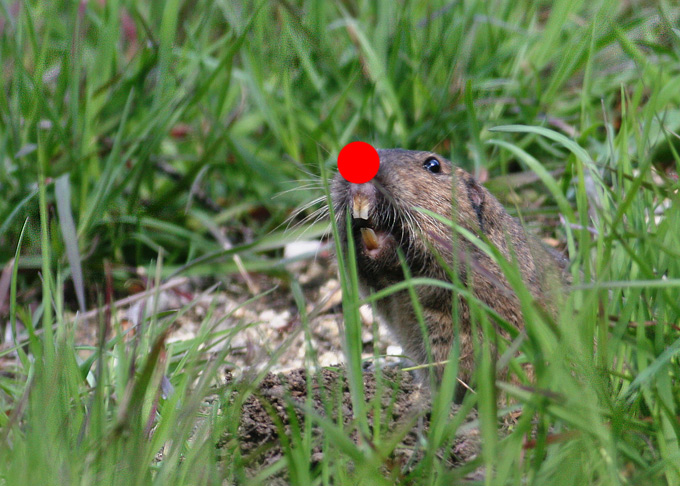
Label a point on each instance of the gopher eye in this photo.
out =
(432, 165)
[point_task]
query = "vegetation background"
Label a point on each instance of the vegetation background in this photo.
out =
(155, 134)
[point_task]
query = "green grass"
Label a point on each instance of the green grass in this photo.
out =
(130, 132)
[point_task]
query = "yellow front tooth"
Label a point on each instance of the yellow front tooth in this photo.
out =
(364, 211)
(370, 238)
(360, 206)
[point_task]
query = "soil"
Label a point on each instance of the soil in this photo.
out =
(280, 401)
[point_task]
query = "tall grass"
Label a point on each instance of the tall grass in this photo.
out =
(152, 125)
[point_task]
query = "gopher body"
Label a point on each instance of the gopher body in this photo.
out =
(387, 218)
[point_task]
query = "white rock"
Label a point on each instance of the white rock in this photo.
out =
(366, 314)
(297, 248)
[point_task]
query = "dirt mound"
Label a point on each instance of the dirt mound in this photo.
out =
(278, 405)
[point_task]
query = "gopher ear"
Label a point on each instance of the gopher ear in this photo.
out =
(476, 196)
(475, 192)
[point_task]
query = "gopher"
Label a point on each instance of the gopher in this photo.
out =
(385, 219)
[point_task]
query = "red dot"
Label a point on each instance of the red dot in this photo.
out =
(358, 162)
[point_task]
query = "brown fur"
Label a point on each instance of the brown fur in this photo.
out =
(402, 184)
